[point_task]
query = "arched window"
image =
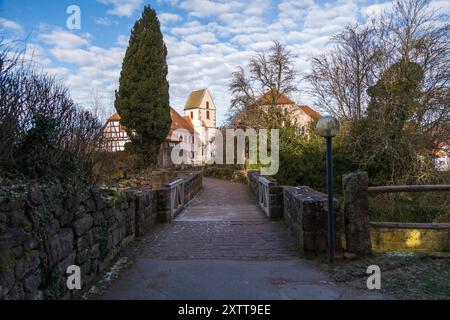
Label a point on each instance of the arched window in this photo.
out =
(207, 115)
(207, 104)
(192, 114)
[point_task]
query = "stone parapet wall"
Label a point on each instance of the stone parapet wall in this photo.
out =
(45, 229)
(306, 214)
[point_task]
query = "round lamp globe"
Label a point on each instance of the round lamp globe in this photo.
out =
(328, 126)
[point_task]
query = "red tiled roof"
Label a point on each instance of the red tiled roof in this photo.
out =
(114, 117)
(179, 122)
(310, 112)
(282, 99)
(267, 98)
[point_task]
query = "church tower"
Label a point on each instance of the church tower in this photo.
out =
(201, 110)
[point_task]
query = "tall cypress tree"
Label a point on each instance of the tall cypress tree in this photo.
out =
(143, 96)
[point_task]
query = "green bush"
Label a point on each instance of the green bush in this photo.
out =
(303, 160)
(39, 156)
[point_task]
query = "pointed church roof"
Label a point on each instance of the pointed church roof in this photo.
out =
(195, 99)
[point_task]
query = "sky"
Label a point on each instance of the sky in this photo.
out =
(206, 40)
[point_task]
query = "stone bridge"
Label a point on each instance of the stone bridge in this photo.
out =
(222, 246)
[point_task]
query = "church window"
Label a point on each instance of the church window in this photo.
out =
(207, 115)
(192, 114)
(207, 104)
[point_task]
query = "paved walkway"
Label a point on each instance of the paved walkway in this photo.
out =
(223, 247)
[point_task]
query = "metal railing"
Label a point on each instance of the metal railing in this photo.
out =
(176, 196)
(264, 194)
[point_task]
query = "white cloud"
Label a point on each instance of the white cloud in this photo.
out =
(83, 67)
(122, 8)
(61, 38)
(375, 10)
(12, 25)
(122, 40)
(105, 21)
(37, 54)
(207, 8)
(169, 18)
(201, 38)
(206, 41)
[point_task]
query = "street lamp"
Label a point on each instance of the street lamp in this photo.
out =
(328, 127)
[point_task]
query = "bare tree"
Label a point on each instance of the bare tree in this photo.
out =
(268, 72)
(26, 97)
(340, 78)
(382, 55)
(360, 55)
(416, 32)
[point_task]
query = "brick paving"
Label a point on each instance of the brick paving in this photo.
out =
(223, 222)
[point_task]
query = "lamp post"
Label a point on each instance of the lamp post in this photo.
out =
(328, 127)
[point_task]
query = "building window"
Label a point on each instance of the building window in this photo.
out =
(207, 115)
(192, 114)
(181, 138)
(193, 139)
(207, 104)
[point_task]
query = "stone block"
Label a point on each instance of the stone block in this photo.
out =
(7, 274)
(98, 217)
(66, 218)
(17, 252)
(13, 238)
(85, 240)
(89, 205)
(95, 251)
(30, 243)
(356, 212)
(83, 225)
(32, 282)
(16, 293)
(306, 213)
(82, 256)
(18, 219)
(53, 192)
(36, 196)
(60, 246)
(27, 264)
